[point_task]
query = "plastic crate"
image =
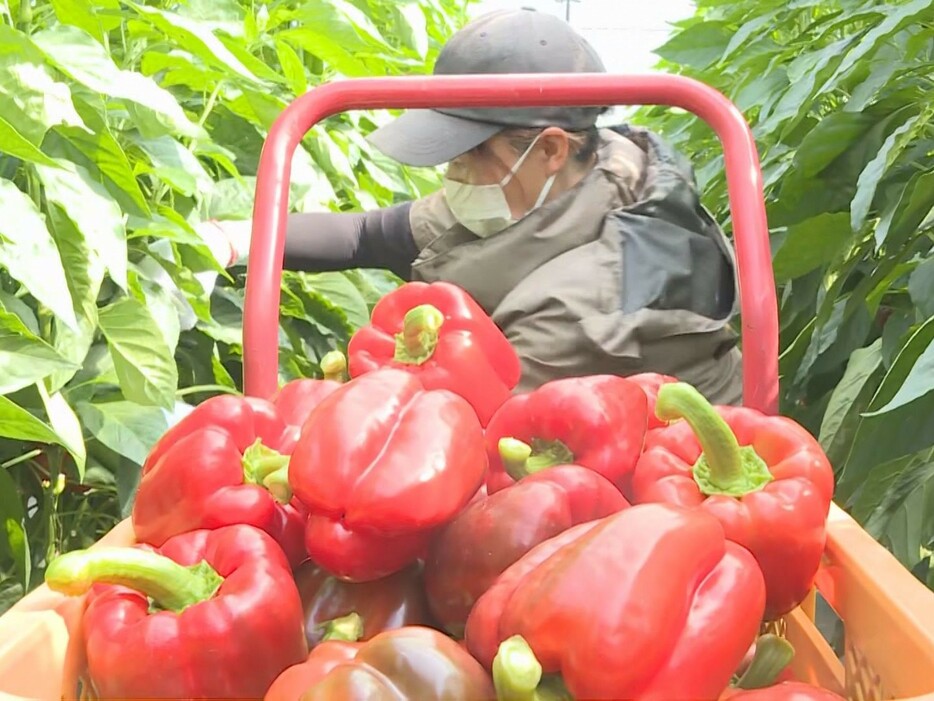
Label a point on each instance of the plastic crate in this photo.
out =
(887, 615)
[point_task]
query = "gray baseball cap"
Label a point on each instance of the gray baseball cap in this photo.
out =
(508, 41)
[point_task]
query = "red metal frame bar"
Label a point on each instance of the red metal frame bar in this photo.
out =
(744, 182)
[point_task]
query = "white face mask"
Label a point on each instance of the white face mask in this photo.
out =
(483, 209)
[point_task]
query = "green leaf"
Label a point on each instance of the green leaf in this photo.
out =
(125, 427)
(96, 17)
(31, 100)
(292, 68)
(328, 49)
(336, 297)
(897, 17)
(91, 208)
(921, 287)
(28, 252)
(80, 56)
(65, 423)
(697, 46)
(412, 27)
(811, 244)
(849, 398)
(24, 357)
(905, 430)
(105, 157)
(17, 423)
(832, 136)
(15, 144)
(142, 359)
(198, 38)
(905, 213)
(13, 541)
(176, 165)
(876, 169)
(919, 382)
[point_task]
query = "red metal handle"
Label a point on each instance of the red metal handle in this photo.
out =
(744, 182)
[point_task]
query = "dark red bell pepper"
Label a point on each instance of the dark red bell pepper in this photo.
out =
(297, 679)
(414, 663)
(218, 466)
(765, 477)
(380, 464)
(652, 602)
(441, 334)
(210, 614)
(650, 383)
(391, 602)
(490, 534)
(598, 422)
(295, 400)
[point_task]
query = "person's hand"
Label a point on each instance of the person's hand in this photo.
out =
(228, 240)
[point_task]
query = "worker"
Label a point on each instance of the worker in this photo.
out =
(588, 246)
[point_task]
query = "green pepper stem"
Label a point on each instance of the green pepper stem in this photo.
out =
(516, 671)
(521, 459)
(348, 628)
(419, 336)
(171, 586)
(772, 655)
(724, 467)
(334, 366)
(268, 468)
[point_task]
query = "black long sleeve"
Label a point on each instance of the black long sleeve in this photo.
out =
(382, 238)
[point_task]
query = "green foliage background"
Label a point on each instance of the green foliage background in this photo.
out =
(838, 95)
(122, 126)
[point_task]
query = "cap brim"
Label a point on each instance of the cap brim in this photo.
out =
(429, 138)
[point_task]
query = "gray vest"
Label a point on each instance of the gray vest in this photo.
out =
(622, 274)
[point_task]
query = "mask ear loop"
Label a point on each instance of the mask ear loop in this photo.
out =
(518, 164)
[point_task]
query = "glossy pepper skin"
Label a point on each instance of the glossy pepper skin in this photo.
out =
(490, 534)
(384, 604)
(658, 604)
(228, 618)
(293, 682)
(224, 463)
(598, 422)
(764, 477)
(784, 691)
(414, 663)
(651, 382)
(380, 464)
(439, 332)
(295, 400)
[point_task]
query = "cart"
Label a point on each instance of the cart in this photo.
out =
(887, 615)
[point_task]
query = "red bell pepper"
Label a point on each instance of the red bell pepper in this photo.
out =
(765, 477)
(415, 663)
(490, 534)
(295, 400)
(598, 422)
(218, 466)
(392, 602)
(380, 464)
(785, 691)
(438, 332)
(652, 602)
(650, 382)
(210, 614)
(293, 682)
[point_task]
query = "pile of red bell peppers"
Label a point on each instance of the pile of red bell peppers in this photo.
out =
(421, 530)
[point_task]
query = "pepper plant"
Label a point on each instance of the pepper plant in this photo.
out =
(123, 125)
